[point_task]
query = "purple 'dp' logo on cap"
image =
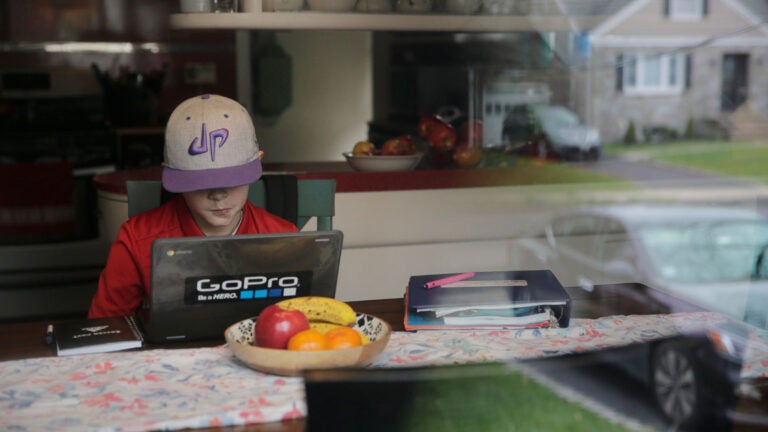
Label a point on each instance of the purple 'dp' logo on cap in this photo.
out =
(208, 142)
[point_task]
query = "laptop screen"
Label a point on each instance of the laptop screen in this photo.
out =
(202, 285)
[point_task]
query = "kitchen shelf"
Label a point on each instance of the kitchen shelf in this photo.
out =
(362, 21)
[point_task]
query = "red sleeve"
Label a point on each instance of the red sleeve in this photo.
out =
(121, 286)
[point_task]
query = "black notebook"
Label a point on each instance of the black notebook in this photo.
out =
(97, 335)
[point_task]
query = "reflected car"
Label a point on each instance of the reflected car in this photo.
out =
(710, 258)
(694, 377)
(713, 257)
(551, 131)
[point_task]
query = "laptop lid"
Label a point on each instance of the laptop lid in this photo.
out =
(202, 285)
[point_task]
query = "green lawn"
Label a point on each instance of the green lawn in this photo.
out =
(486, 397)
(740, 159)
(530, 171)
(504, 401)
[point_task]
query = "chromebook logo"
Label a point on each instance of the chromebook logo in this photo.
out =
(174, 252)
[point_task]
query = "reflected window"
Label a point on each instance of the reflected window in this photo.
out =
(717, 252)
(686, 10)
(653, 73)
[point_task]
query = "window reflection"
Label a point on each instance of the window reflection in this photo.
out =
(710, 256)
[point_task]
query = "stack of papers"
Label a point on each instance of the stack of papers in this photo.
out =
(508, 299)
(493, 315)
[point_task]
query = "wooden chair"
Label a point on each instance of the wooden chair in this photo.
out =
(316, 198)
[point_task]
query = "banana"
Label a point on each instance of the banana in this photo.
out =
(323, 328)
(366, 341)
(321, 309)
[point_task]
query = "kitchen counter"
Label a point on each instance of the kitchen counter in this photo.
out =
(348, 180)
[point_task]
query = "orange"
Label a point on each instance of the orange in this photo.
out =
(343, 337)
(307, 340)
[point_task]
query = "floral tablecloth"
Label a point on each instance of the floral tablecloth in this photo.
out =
(204, 387)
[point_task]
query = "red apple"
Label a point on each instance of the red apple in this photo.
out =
(275, 326)
(398, 146)
(426, 123)
(410, 145)
(442, 137)
(471, 131)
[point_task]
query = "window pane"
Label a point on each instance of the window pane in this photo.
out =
(685, 9)
(673, 70)
(652, 71)
(630, 71)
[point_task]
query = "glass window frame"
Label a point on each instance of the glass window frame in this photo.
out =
(686, 10)
(670, 70)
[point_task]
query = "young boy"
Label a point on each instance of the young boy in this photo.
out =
(211, 156)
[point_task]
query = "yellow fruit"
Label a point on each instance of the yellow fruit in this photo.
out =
(365, 339)
(322, 327)
(362, 148)
(321, 309)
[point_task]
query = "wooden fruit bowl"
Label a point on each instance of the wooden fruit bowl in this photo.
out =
(239, 338)
(383, 162)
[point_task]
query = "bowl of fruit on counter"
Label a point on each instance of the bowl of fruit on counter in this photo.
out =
(305, 333)
(396, 154)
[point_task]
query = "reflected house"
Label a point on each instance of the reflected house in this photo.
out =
(678, 68)
(669, 68)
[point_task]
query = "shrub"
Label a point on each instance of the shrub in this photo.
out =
(690, 130)
(657, 134)
(630, 136)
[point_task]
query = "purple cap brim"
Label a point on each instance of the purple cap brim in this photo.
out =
(180, 181)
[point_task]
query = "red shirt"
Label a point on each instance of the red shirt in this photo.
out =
(125, 280)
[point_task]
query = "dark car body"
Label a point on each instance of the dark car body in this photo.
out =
(694, 377)
(668, 259)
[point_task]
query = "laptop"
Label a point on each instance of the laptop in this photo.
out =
(202, 285)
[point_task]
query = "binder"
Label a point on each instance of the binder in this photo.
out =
(495, 299)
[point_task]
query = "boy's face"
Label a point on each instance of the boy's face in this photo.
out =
(217, 211)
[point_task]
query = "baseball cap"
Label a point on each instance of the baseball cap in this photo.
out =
(210, 143)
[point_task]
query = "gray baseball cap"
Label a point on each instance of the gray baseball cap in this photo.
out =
(210, 143)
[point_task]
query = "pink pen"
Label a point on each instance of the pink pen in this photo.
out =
(447, 280)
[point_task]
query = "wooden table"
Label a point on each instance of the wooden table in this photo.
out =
(21, 340)
(26, 339)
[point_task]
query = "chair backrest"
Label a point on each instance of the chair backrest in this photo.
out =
(316, 198)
